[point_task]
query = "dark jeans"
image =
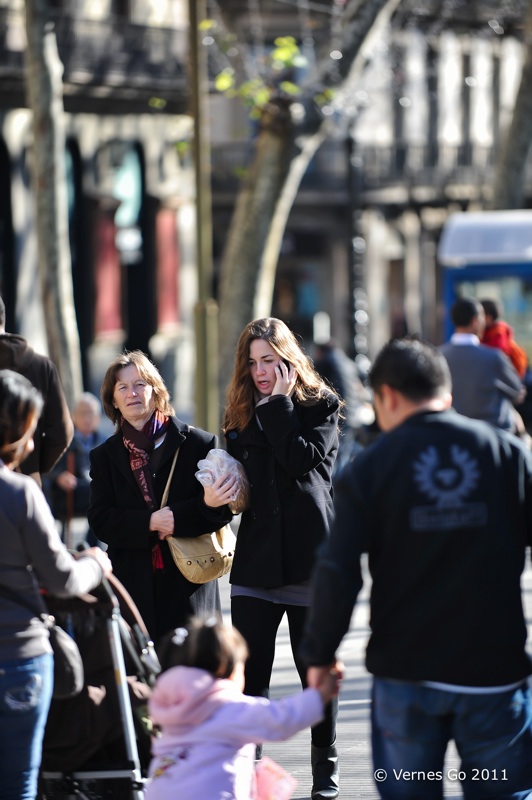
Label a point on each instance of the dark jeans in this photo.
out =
(412, 725)
(258, 622)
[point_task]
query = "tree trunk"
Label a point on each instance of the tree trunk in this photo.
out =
(44, 89)
(268, 265)
(255, 208)
(510, 169)
(249, 262)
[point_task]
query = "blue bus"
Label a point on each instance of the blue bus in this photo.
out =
(489, 254)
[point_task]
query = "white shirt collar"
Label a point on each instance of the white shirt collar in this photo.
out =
(465, 338)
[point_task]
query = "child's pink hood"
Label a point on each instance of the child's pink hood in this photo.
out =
(185, 696)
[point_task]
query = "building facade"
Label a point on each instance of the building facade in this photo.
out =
(129, 182)
(416, 139)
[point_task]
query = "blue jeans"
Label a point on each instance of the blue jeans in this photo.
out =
(413, 724)
(25, 694)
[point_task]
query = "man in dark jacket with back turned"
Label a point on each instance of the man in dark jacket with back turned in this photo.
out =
(442, 505)
(55, 428)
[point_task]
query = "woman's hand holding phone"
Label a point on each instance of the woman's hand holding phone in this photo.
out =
(286, 375)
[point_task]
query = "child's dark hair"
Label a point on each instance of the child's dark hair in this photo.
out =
(20, 406)
(205, 644)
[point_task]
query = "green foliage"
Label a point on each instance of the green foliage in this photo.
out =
(286, 54)
(289, 88)
(182, 147)
(257, 92)
(225, 80)
(157, 102)
(325, 98)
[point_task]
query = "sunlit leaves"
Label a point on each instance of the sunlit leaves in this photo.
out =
(182, 147)
(286, 54)
(207, 25)
(325, 98)
(257, 92)
(289, 88)
(225, 80)
(157, 102)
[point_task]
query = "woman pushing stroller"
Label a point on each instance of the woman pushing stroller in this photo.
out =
(32, 556)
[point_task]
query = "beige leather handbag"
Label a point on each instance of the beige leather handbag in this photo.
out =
(201, 558)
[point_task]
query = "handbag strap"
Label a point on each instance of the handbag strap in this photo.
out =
(169, 481)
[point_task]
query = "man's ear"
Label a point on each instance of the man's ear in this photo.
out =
(388, 397)
(447, 400)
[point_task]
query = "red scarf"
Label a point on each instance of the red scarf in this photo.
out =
(140, 445)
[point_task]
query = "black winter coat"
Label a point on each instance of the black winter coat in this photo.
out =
(289, 464)
(119, 516)
(55, 427)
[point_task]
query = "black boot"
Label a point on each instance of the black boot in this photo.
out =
(325, 774)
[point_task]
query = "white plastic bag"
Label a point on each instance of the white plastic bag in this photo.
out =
(218, 463)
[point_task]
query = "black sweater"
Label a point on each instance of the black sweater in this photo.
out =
(443, 506)
(288, 461)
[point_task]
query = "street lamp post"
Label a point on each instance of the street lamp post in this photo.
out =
(206, 310)
(359, 301)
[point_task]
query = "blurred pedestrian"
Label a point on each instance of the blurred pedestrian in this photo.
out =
(498, 333)
(442, 505)
(341, 373)
(54, 428)
(485, 384)
(32, 556)
(68, 483)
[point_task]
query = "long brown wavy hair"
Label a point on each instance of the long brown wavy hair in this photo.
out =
(240, 394)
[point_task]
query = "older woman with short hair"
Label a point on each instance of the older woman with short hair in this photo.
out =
(129, 473)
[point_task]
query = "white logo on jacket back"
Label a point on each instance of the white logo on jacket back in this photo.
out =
(447, 479)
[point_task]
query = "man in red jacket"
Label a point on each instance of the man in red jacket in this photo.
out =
(498, 333)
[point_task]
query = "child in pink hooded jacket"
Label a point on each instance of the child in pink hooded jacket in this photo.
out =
(206, 750)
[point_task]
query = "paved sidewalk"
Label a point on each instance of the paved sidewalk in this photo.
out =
(353, 735)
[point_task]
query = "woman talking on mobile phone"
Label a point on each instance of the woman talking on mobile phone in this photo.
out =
(281, 423)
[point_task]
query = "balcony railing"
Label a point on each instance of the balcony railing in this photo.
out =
(435, 167)
(120, 51)
(105, 58)
(328, 168)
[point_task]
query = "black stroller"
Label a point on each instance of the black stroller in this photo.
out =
(97, 744)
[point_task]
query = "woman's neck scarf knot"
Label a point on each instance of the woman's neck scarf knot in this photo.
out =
(140, 445)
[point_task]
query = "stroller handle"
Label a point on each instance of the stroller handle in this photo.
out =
(104, 585)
